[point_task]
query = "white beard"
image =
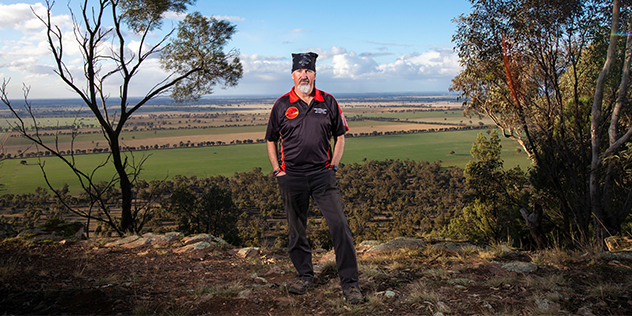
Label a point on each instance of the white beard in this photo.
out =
(305, 88)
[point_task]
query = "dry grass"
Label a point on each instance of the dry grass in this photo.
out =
(425, 281)
(8, 266)
(604, 290)
(549, 283)
(221, 290)
(499, 281)
(421, 292)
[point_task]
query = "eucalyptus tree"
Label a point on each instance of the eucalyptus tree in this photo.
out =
(194, 60)
(532, 66)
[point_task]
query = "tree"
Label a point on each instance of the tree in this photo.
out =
(493, 215)
(195, 62)
(607, 169)
(530, 66)
(204, 206)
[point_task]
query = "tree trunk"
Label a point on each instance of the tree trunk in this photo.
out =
(534, 222)
(125, 186)
(599, 219)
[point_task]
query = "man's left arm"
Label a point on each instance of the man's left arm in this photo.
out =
(339, 149)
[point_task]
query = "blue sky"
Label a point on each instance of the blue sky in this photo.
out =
(363, 46)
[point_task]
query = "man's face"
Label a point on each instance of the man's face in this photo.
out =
(304, 80)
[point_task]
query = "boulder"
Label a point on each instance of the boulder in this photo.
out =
(457, 247)
(141, 242)
(123, 241)
(202, 245)
(197, 238)
(397, 243)
(248, 252)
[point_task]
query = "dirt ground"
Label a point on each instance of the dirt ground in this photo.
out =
(85, 278)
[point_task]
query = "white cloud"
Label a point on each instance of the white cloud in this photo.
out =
(20, 16)
(265, 67)
(230, 18)
(432, 64)
(174, 15)
(350, 65)
(300, 31)
(28, 66)
(338, 63)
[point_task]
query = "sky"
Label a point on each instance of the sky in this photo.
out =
(363, 46)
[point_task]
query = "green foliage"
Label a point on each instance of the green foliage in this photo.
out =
(141, 15)
(198, 55)
(532, 66)
(203, 207)
(194, 61)
(407, 195)
(493, 215)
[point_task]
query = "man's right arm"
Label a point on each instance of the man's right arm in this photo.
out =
(273, 155)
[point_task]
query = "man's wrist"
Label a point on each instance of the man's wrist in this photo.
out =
(277, 171)
(334, 168)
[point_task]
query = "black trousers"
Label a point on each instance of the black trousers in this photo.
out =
(323, 188)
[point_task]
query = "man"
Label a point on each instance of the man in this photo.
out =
(300, 127)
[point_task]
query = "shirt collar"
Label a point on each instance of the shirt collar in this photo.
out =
(318, 96)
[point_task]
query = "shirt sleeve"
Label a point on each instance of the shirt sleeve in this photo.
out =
(272, 132)
(339, 126)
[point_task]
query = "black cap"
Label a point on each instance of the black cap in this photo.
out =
(304, 61)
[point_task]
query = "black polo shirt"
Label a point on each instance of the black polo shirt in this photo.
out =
(305, 131)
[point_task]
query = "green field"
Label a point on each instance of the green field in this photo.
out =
(226, 160)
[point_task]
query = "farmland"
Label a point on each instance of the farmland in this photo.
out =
(224, 136)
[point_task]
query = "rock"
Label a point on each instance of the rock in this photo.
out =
(245, 294)
(495, 268)
(174, 235)
(30, 232)
(192, 247)
(457, 247)
(80, 234)
(585, 311)
(366, 245)
(197, 238)
(160, 240)
(520, 267)
(51, 236)
(389, 294)
(276, 270)
(397, 243)
(326, 259)
(148, 254)
(248, 252)
(123, 241)
(65, 242)
(285, 301)
(138, 243)
(623, 255)
(546, 306)
(257, 279)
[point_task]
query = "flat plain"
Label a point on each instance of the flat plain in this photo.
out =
(224, 138)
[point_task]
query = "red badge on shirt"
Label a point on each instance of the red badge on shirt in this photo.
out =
(291, 113)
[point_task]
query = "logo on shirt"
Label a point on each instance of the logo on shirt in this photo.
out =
(320, 111)
(291, 113)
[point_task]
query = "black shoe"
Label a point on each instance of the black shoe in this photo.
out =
(353, 296)
(299, 287)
